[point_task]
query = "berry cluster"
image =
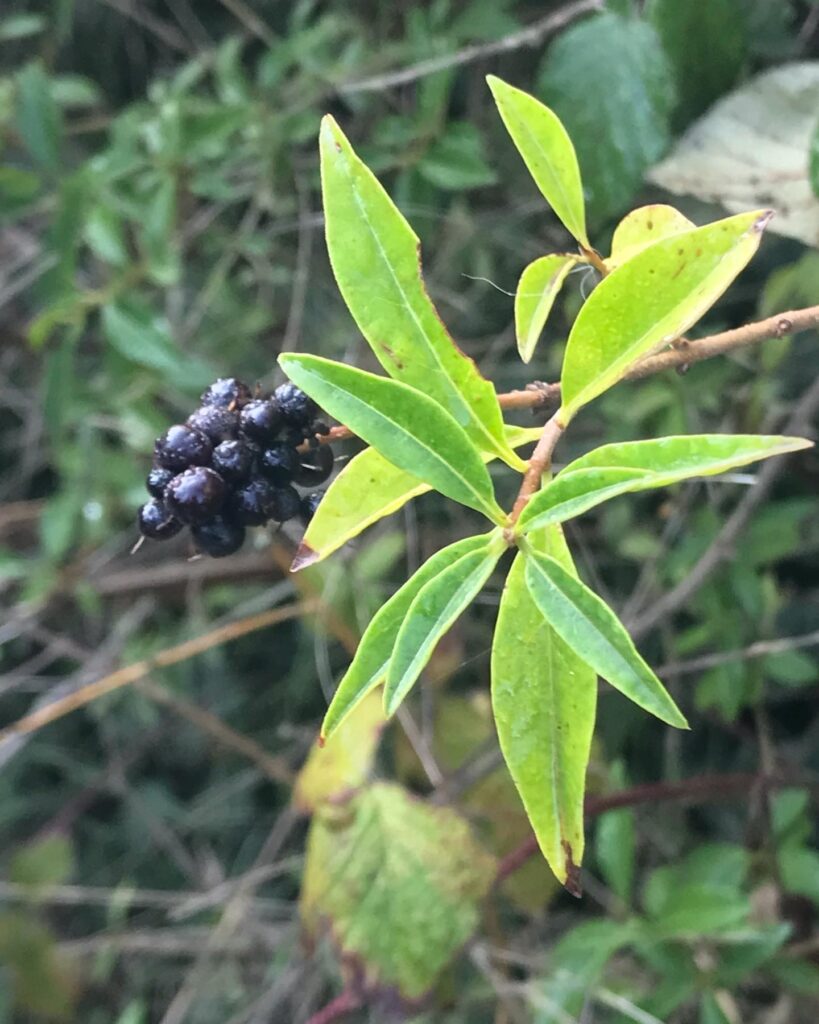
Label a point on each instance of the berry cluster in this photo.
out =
(233, 465)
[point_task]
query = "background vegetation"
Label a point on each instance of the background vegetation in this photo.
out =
(160, 224)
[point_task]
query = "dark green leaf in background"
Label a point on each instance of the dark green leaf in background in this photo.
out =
(38, 116)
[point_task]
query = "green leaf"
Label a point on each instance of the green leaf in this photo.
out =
(457, 160)
(544, 699)
(537, 290)
(615, 844)
(814, 161)
(652, 299)
(435, 608)
(706, 42)
(137, 334)
(18, 26)
(38, 116)
(624, 468)
(369, 666)
(400, 884)
(547, 151)
(411, 430)
(642, 227)
(367, 489)
(590, 627)
(609, 81)
(710, 1010)
(374, 254)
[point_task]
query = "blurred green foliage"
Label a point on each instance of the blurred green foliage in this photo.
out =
(160, 224)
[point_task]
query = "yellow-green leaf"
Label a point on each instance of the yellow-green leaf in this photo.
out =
(367, 489)
(652, 299)
(615, 469)
(409, 429)
(399, 882)
(344, 762)
(435, 607)
(642, 227)
(587, 624)
(544, 698)
(547, 151)
(375, 257)
(369, 666)
(537, 290)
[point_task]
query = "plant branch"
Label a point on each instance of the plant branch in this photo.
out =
(339, 1007)
(539, 464)
(680, 356)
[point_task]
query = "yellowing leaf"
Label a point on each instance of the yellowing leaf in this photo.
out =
(399, 883)
(643, 226)
(537, 290)
(411, 430)
(374, 254)
(345, 760)
(367, 489)
(547, 151)
(650, 300)
(544, 698)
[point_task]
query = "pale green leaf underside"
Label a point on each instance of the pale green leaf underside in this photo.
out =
(547, 151)
(537, 290)
(375, 257)
(643, 227)
(367, 489)
(543, 699)
(392, 862)
(369, 666)
(593, 631)
(650, 300)
(615, 469)
(435, 608)
(409, 429)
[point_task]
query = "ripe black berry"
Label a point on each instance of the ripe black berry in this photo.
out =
(182, 446)
(216, 422)
(233, 460)
(278, 463)
(315, 466)
(253, 504)
(218, 537)
(286, 504)
(195, 495)
(296, 407)
(227, 392)
(158, 480)
(261, 420)
(156, 522)
(309, 504)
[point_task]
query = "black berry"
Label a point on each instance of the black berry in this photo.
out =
(156, 522)
(278, 463)
(228, 393)
(309, 504)
(195, 495)
(216, 422)
(296, 407)
(233, 460)
(315, 466)
(261, 420)
(253, 504)
(286, 504)
(182, 446)
(158, 480)
(218, 537)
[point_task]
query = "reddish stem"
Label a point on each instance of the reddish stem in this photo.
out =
(337, 1008)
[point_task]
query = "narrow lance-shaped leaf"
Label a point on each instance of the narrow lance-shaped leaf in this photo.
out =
(369, 666)
(543, 699)
(375, 257)
(593, 631)
(435, 608)
(650, 300)
(615, 469)
(538, 288)
(642, 227)
(547, 151)
(409, 429)
(367, 489)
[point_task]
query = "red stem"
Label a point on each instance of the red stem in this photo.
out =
(337, 1008)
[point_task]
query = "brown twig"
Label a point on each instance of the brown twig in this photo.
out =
(170, 656)
(539, 463)
(339, 1007)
